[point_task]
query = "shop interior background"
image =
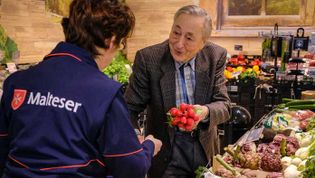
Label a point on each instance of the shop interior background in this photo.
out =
(35, 24)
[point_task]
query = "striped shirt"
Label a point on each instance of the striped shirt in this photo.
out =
(185, 82)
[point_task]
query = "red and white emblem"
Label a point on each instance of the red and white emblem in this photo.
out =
(18, 98)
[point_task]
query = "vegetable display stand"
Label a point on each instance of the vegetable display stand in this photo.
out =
(280, 144)
(239, 123)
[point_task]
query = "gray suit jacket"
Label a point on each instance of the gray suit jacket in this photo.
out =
(152, 87)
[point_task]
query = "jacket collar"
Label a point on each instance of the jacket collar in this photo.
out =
(72, 49)
(167, 82)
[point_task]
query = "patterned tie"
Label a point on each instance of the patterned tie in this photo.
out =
(183, 83)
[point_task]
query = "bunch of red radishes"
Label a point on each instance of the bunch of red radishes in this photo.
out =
(184, 117)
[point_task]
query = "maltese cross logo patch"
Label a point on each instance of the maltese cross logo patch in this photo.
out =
(18, 98)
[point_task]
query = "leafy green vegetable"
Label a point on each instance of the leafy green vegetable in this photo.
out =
(309, 171)
(248, 75)
(297, 104)
(227, 166)
(7, 46)
(305, 152)
(311, 124)
(118, 68)
(286, 100)
(11, 46)
(200, 171)
(3, 37)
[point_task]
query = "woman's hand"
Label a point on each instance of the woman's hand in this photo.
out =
(157, 143)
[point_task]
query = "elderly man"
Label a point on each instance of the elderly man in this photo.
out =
(186, 68)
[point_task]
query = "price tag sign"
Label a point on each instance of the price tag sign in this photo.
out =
(234, 88)
(243, 139)
(251, 136)
(210, 175)
(255, 135)
(11, 67)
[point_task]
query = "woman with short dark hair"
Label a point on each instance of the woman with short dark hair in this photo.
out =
(64, 118)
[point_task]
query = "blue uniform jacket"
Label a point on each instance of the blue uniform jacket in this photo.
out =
(65, 118)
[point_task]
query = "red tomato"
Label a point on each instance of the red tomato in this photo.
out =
(233, 61)
(258, 62)
(241, 57)
(252, 63)
(230, 69)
